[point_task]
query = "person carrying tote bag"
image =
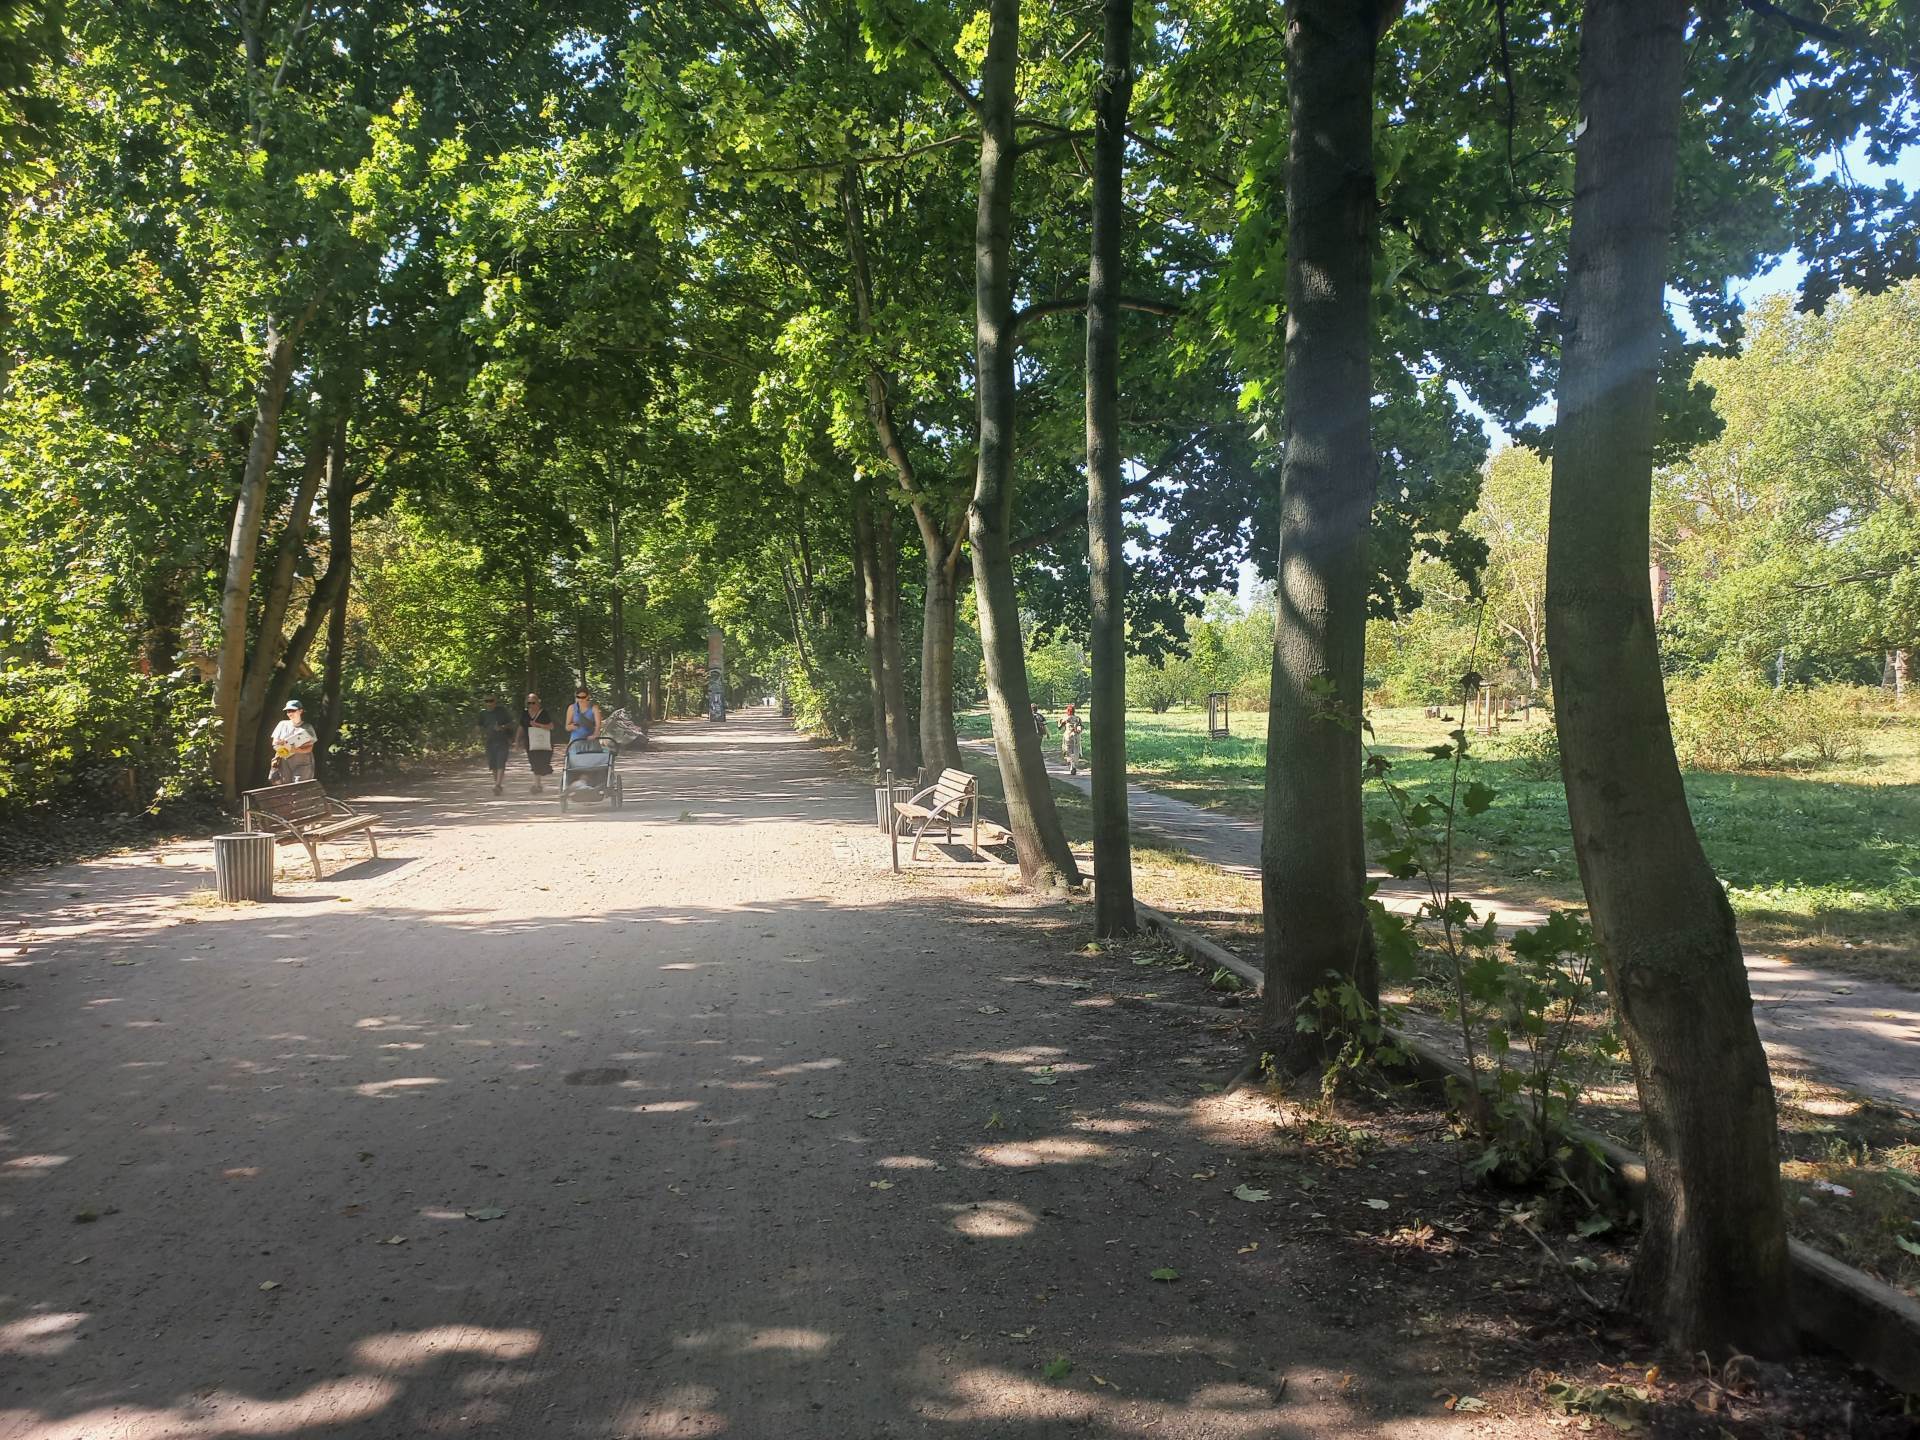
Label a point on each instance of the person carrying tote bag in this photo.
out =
(536, 735)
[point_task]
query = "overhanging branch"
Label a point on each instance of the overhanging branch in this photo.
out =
(1065, 304)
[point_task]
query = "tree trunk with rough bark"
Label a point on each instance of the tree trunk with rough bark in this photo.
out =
(529, 663)
(1712, 1271)
(939, 739)
(893, 660)
(867, 567)
(263, 659)
(1313, 851)
(620, 698)
(243, 550)
(1113, 910)
(339, 550)
(1045, 859)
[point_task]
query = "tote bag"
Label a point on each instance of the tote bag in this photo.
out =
(539, 737)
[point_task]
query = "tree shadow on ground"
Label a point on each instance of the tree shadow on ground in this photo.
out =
(787, 1169)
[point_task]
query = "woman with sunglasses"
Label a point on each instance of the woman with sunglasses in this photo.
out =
(536, 735)
(583, 716)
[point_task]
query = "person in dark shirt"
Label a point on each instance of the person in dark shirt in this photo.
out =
(497, 729)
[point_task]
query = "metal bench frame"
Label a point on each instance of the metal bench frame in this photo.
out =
(334, 818)
(964, 801)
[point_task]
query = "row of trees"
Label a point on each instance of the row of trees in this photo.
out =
(764, 314)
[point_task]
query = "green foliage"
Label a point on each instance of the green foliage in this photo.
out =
(1057, 675)
(1795, 535)
(1726, 721)
(109, 740)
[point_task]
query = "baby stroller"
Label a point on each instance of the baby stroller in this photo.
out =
(587, 775)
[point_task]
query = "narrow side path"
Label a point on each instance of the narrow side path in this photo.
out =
(1860, 1034)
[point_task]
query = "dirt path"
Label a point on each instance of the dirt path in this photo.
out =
(664, 1122)
(1854, 1033)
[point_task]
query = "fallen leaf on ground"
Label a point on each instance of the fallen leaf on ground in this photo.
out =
(880, 1184)
(1165, 1272)
(394, 1240)
(821, 1114)
(1102, 1380)
(1376, 1204)
(269, 1284)
(491, 1212)
(1057, 1369)
(991, 1010)
(1251, 1195)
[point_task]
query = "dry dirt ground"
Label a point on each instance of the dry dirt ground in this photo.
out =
(677, 1120)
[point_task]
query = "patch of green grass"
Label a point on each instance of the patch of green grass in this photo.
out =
(1821, 864)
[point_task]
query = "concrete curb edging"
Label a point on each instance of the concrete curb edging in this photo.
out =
(1864, 1319)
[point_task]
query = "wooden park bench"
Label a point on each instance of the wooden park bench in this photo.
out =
(303, 812)
(952, 797)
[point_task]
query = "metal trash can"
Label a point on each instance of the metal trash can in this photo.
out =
(243, 866)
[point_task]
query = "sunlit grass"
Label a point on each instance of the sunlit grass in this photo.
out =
(1821, 863)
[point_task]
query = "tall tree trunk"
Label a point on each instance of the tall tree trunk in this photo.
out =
(939, 738)
(867, 566)
(1900, 665)
(1313, 852)
(1045, 859)
(619, 615)
(659, 688)
(893, 660)
(1113, 912)
(263, 658)
(243, 549)
(530, 663)
(339, 552)
(163, 606)
(1712, 1266)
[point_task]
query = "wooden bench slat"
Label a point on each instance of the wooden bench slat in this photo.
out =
(302, 813)
(949, 798)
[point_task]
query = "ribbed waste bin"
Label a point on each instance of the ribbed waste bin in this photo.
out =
(243, 866)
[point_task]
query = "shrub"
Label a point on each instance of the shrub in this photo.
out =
(1534, 750)
(389, 716)
(1724, 721)
(1831, 721)
(100, 740)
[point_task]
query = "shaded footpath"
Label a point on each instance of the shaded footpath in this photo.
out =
(661, 1122)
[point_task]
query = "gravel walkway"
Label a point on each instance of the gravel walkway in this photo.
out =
(671, 1121)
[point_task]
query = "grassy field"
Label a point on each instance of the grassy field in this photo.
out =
(1821, 864)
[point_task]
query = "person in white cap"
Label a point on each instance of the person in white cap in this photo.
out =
(293, 744)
